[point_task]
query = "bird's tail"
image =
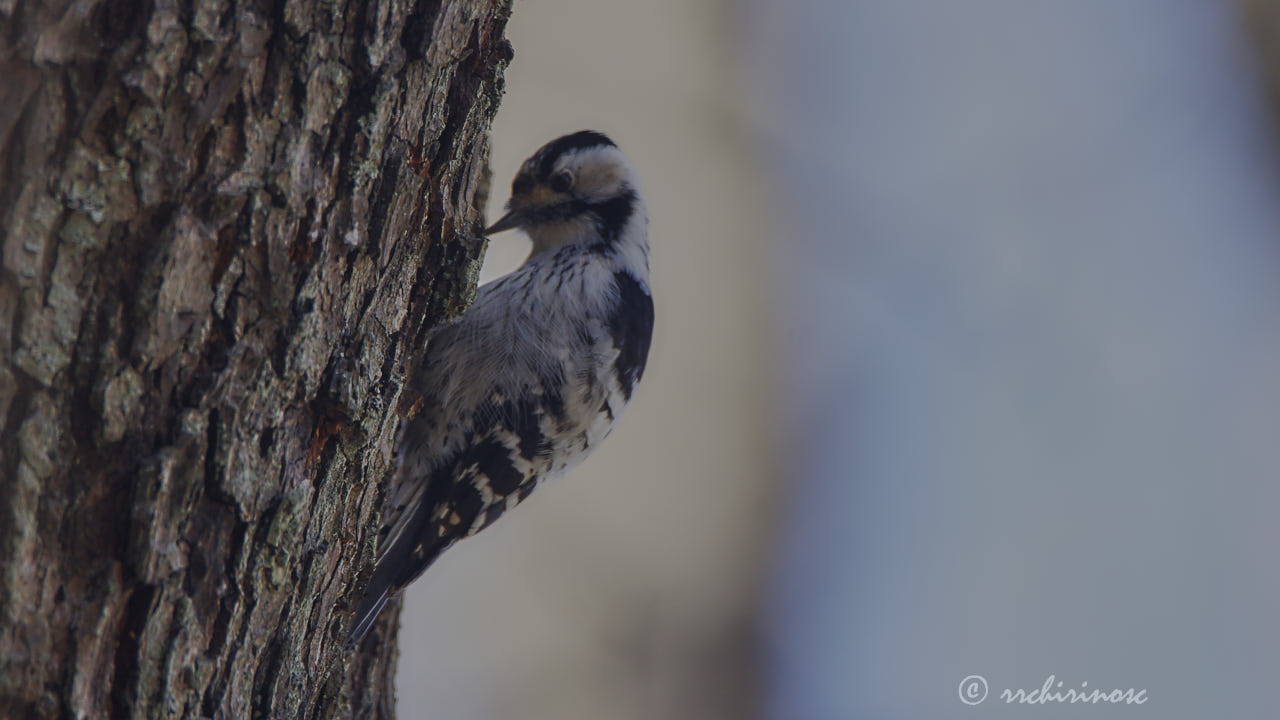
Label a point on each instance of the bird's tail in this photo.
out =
(397, 567)
(375, 598)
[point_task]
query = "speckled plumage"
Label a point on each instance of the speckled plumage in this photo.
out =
(536, 372)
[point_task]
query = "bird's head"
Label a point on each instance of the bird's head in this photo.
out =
(576, 188)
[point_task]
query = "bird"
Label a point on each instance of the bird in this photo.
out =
(536, 372)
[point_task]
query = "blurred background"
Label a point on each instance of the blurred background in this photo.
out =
(967, 363)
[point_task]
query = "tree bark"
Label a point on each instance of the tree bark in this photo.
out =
(227, 227)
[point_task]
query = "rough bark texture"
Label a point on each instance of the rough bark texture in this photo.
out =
(226, 228)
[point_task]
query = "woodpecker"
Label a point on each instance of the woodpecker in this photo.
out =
(537, 371)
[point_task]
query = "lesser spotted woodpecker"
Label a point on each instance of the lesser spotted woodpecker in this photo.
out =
(538, 369)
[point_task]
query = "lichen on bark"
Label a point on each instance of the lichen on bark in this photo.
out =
(227, 227)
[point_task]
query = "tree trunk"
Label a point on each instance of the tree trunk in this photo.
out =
(1262, 18)
(227, 226)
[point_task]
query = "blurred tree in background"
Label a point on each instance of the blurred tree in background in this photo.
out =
(226, 227)
(1263, 20)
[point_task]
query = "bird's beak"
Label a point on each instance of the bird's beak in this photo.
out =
(513, 219)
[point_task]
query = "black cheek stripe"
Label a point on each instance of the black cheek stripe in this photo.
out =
(612, 215)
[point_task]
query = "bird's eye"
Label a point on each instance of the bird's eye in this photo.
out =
(521, 185)
(561, 181)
